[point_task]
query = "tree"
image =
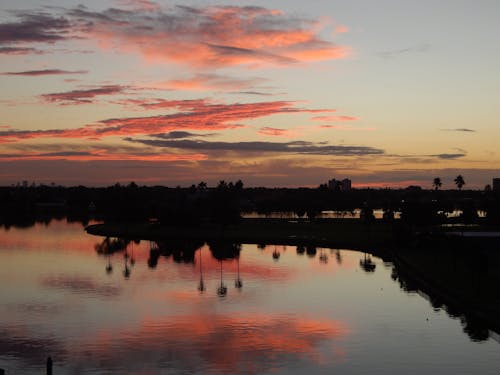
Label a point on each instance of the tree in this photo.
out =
(437, 183)
(459, 181)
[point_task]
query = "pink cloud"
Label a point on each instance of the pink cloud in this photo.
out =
(101, 155)
(341, 29)
(347, 127)
(211, 82)
(335, 118)
(211, 36)
(276, 132)
(194, 115)
(141, 4)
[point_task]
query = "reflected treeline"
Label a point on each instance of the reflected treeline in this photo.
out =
(180, 250)
(463, 282)
(110, 245)
(184, 251)
(30, 220)
(27, 221)
(222, 250)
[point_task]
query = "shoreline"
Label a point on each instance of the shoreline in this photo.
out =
(325, 233)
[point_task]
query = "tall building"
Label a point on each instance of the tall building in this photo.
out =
(496, 184)
(338, 185)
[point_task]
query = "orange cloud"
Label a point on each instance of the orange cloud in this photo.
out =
(211, 82)
(196, 115)
(276, 132)
(335, 118)
(341, 29)
(348, 128)
(211, 36)
(141, 4)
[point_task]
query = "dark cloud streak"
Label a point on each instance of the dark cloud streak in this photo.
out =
(19, 51)
(449, 156)
(35, 27)
(295, 147)
(181, 135)
(465, 130)
(82, 96)
(44, 72)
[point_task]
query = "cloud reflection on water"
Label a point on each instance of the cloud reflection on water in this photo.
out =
(246, 343)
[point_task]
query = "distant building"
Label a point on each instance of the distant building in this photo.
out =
(339, 185)
(496, 184)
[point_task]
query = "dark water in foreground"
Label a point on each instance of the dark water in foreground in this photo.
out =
(310, 313)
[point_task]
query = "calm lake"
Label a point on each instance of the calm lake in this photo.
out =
(154, 309)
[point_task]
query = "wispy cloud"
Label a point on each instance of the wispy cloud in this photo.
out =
(341, 29)
(335, 118)
(102, 153)
(449, 156)
(82, 96)
(259, 93)
(347, 127)
(182, 135)
(464, 130)
(44, 72)
(390, 54)
(295, 147)
(140, 4)
(194, 115)
(19, 51)
(212, 82)
(277, 132)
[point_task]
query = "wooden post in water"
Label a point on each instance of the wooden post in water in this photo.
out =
(49, 366)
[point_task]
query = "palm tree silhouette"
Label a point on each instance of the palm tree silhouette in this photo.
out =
(276, 253)
(132, 259)
(222, 289)
(437, 183)
(109, 267)
(338, 256)
(126, 270)
(459, 181)
(201, 284)
(238, 283)
(323, 257)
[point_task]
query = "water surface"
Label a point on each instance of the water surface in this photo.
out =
(158, 309)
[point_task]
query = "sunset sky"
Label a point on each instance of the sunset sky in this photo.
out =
(276, 93)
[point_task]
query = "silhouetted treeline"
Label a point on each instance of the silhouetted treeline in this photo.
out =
(225, 203)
